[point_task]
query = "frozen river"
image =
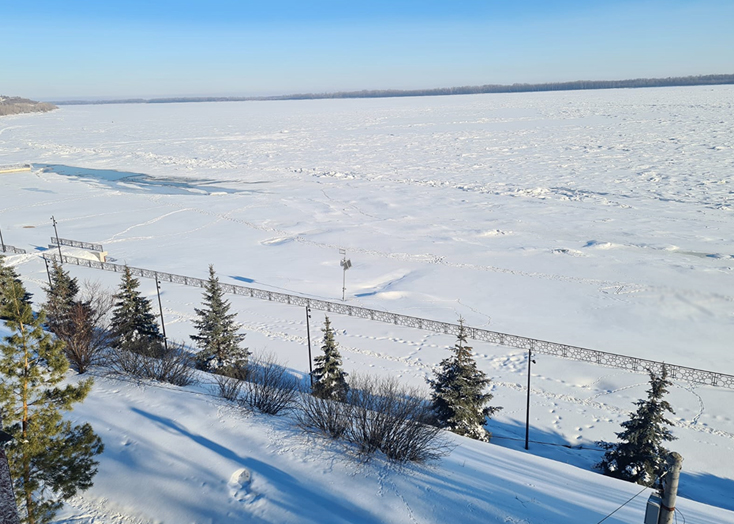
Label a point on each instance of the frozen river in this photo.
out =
(601, 219)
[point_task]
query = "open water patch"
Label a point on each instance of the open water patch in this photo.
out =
(140, 182)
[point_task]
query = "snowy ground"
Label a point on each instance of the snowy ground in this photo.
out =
(599, 219)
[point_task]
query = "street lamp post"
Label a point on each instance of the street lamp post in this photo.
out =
(308, 336)
(48, 273)
(58, 244)
(345, 264)
(527, 410)
(160, 307)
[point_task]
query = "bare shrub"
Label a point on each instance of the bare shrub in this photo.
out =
(393, 419)
(228, 388)
(85, 330)
(239, 371)
(270, 388)
(328, 417)
(151, 360)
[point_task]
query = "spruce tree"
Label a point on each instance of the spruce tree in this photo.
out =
(639, 456)
(50, 459)
(217, 333)
(7, 276)
(61, 296)
(133, 326)
(329, 380)
(459, 397)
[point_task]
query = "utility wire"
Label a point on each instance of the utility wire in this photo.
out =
(623, 505)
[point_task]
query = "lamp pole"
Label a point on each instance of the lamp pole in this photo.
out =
(345, 264)
(308, 336)
(527, 410)
(58, 244)
(48, 273)
(160, 307)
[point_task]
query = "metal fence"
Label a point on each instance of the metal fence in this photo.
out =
(12, 249)
(603, 358)
(76, 243)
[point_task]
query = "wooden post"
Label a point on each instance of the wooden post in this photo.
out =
(670, 485)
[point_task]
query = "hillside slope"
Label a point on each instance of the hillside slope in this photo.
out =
(14, 105)
(182, 455)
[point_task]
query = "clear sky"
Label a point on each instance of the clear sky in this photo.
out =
(57, 49)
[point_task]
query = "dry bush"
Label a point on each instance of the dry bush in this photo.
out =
(152, 360)
(393, 419)
(328, 417)
(85, 331)
(379, 415)
(270, 388)
(228, 388)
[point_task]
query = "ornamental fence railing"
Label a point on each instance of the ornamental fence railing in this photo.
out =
(12, 249)
(76, 243)
(602, 358)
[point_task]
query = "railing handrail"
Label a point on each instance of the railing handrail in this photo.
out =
(603, 358)
(76, 243)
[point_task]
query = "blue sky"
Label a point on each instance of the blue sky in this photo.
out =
(107, 48)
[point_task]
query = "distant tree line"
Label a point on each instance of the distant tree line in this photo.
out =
(14, 105)
(441, 91)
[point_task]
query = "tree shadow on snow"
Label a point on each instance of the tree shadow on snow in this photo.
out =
(582, 453)
(579, 452)
(295, 496)
(707, 488)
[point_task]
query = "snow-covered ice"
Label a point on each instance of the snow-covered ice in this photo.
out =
(600, 219)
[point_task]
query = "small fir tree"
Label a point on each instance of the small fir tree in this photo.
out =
(7, 276)
(61, 296)
(133, 326)
(329, 380)
(459, 397)
(639, 456)
(217, 333)
(50, 459)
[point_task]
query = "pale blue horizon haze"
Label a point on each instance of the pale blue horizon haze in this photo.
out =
(82, 49)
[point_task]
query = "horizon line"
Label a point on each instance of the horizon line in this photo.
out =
(575, 85)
